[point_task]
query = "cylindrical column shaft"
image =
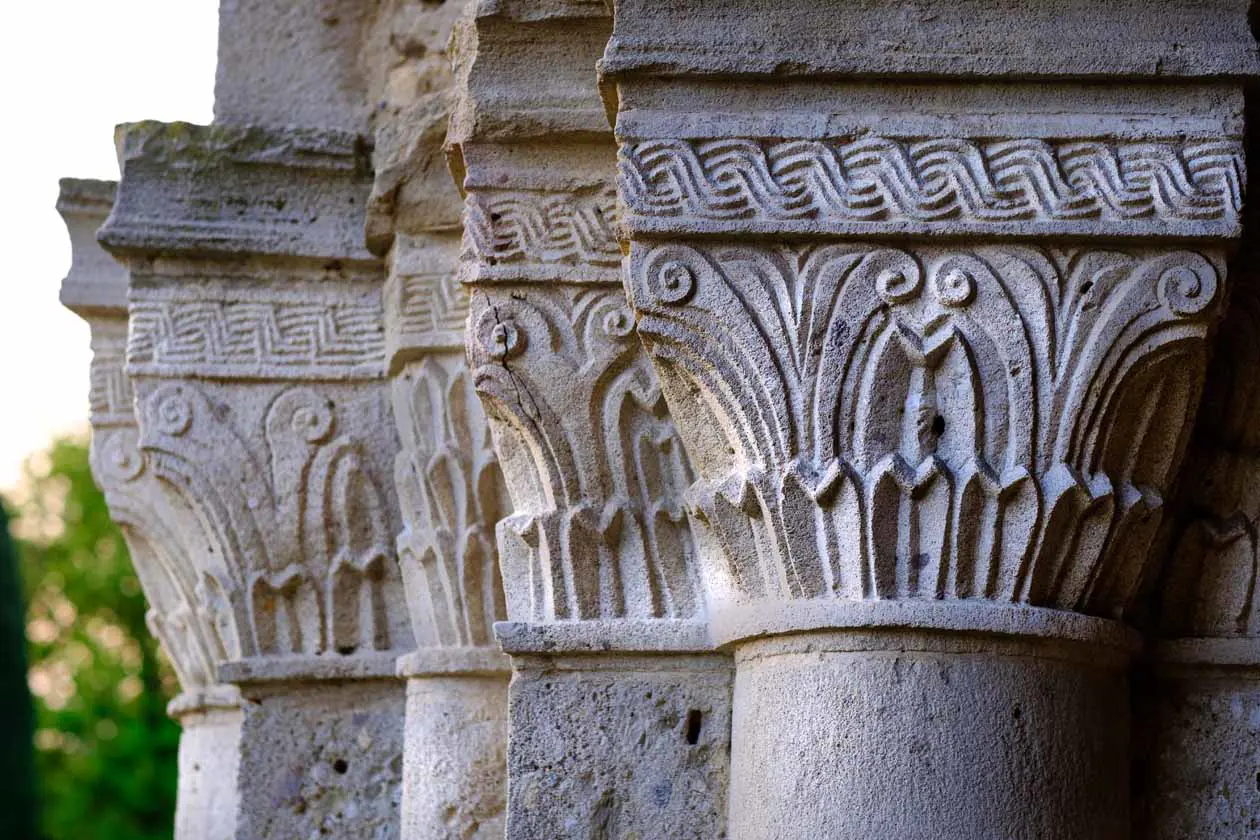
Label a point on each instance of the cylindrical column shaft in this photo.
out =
(209, 755)
(455, 744)
(1197, 768)
(929, 734)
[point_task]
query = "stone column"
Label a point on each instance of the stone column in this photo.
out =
(930, 293)
(619, 708)
(257, 353)
(448, 481)
(162, 535)
(1198, 767)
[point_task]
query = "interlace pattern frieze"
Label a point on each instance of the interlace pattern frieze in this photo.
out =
(938, 180)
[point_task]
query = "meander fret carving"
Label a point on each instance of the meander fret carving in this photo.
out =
(302, 558)
(591, 458)
(544, 226)
(880, 178)
(995, 422)
(426, 305)
(451, 493)
(1210, 586)
(251, 337)
(109, 396)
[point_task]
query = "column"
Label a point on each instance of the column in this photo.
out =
(257, 353)
(1198, 704)
(619, 708)
(162, 534)
(447, 477)
(929, 291)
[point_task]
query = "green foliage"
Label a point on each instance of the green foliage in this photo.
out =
(105, 749)
(17, 718)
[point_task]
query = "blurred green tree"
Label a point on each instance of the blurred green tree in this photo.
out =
(17, 718)
(105, 750)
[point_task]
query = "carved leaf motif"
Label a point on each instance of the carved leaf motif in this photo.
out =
(1209, 586)
(304, 561)
(450, 486)
(591, 458)
(930, 423)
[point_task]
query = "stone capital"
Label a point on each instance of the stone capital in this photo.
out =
(593, 465)
(162, 535)
(929, 339)
(931, 293)
(258, 353)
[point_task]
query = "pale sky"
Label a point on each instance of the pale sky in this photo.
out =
(69, 71)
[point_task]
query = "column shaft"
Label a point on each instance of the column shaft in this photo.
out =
(936, 373)
(162, 535)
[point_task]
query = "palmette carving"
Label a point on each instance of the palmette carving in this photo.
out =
(591, 458)
(293, 500)
(998, 422)
(943, 179)
(1210, 583)
(451, 493)
(162, 535)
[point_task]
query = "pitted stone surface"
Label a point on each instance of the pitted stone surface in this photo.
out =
(626, 748)
(321, 759)
(1198, 767)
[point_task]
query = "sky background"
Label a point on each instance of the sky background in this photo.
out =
(70, 70)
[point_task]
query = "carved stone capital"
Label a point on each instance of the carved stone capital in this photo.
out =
(996, 412)
(593, 464)
(880, 421)
(162, 536)
(257, 350)
(930, 291)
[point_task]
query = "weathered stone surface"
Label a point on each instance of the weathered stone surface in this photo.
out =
(292, 63)
(1196, 710)
(1197, 722)
(450, 489)
(258, 356)
(976, 719)
(161, 534)
(934, 349)
(323, 758)
(598, 551)
(619, 745)
(833, 417)
(455, 752)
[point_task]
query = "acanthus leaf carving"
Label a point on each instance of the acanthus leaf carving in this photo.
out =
(592, 461)
(305, 564)
(999, 422)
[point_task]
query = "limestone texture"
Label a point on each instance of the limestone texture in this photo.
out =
(623, 420)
